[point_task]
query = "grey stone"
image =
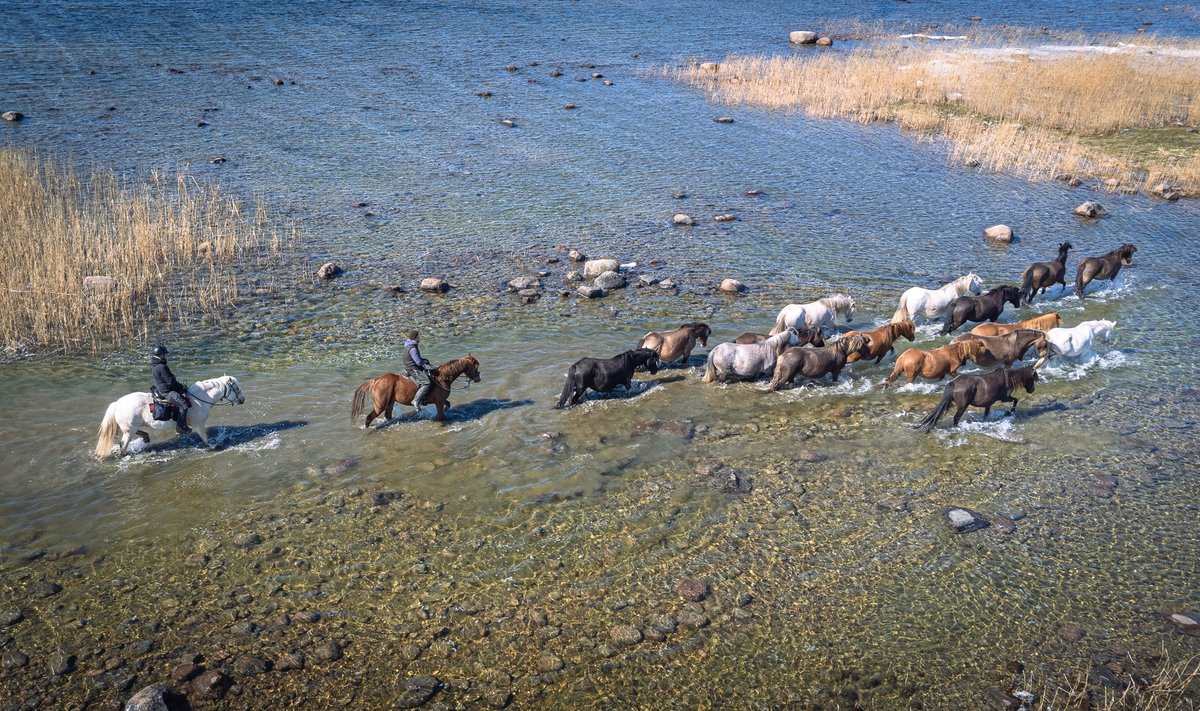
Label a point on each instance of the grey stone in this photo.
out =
(802, 37)
(329, 652)
(682, 220)
(610, 280)
(150, 698)
(692, 589)
(590, 292)
(328, 270)
(732, 286)
(434, 285)
(625, 635)
(1091, 208)
(593, 268)
(9, 618)
(965, 520)
(999, 233)
(524, 282)
(418, 690)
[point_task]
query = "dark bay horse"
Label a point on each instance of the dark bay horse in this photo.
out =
(1008, 348)
(391, 388)
(676, 345)
(881, 341)
(806, 336)
(969, 390)
(816, 362)
(1041, 276)
(980, 308)
(1105, 267)
(604, 374)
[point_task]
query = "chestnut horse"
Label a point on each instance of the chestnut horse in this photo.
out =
(1008, 348)
(1045, 322)
(881, 341)
(677, 345)
(391, 388)
(1105, 267)
(937, 363)
(1044, 275)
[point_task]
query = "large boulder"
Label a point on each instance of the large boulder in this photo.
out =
(682, 220)
(802, 37)
(1091, 208)
(593, 268)
(151, 698)
(328, 270)
(609, 281)
(732, 286)
(999, 233)
(434, 285)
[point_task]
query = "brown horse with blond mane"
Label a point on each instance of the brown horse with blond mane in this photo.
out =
(391, 388)
(1045, 322)
(937, 363)
(1009, 348)
(881, 341)
(677, 345)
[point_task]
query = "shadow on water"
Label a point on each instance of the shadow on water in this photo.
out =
(226, 436)
(636, 388)
(478, 409)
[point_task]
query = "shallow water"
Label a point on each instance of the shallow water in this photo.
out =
(857, 583)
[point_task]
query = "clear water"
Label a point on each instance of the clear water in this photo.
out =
(384, 109)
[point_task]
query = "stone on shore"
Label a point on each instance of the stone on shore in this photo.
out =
(1091, 208)
(682, 220)
(824, 42)
(1187, 623)
(999, 233)
(328, 270)
(588, 291)
(1166, 191)
(574, 255)
(610, 280)
(965, 520)
(732, 286)
(595, 267)
(150, 698)
(802, 37)
(435, 285)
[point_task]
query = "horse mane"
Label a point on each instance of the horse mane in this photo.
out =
(905, 328)
(455, 367)
(1043, 322)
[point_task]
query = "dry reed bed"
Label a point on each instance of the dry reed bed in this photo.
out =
(165, 251)
(1172, 685)
(1115, 113)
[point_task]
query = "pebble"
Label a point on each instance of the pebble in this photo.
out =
(150, 698)
(498, 698)
(328, 652)
(211, 685)
(62, 664)
(692, 589)
(1071, 632)
(251, 666)
(13, 660)
(418, 690)
(693, 618)
(625, 635)
(290, 662)
(549, 663)
(185, 672)
(9, 618)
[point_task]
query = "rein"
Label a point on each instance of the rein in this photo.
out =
(447, 386)
(223, 400)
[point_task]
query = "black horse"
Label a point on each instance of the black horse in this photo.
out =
(980, 308)
(1043, 275)
(604, 374)
(981, 391)
(1106, 267)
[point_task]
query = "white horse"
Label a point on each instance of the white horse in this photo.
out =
(1077, 340)
(816, 314)
(934, 302)
(133, 410)
(748, 360)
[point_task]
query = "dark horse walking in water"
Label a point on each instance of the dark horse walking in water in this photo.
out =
(981, 391)
(1041, 276)
(604, 374)
(1106, 267)
(980, 308)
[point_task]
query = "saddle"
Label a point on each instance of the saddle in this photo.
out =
(163, 409)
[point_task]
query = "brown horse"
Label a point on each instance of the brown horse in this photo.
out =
(937, 363)
(811, 336)
(815, 362)
(1008, 348)
(1105, 267)
(677, 345)
(881, 341)
(983, 391)
(391, 388)
(1045, 322)
(1043, 275)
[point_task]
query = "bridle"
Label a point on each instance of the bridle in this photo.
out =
(223, 400)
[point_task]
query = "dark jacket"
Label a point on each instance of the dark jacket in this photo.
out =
(413, 362)
(164, 379)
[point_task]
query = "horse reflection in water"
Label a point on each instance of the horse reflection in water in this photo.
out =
(391, 388)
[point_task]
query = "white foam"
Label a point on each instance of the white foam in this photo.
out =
(997, 426)
(1063, 368)
(920, 386)
(806, 389)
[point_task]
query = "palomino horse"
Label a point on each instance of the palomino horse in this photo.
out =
(980, 308)
(934, 364)
(604, 374)
(815, 314)
(1043, 275)
(748, 360)
(129, 413)
(881, 341)
(677, 345)
(1078, 340)
(1045, 322)
(814, 363)
(984, 390)
(1008, 348)
(1105, 267)
(812, 336)
(932, 303)
(391, 388)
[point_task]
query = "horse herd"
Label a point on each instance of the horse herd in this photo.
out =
(795, 347)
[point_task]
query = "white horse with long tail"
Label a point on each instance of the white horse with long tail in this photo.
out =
(932, 303)
(815, 314)
(129, 413)
(748, 360)
(1078, 340)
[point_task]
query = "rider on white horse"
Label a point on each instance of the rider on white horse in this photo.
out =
(167, 387)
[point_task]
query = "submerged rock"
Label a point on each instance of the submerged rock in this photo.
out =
(12, 116)
(9, 618)
(211, 685)
(329, 652)
(13, 660)
(523, 282)
(692, 589)
(328, 270)
(1091, 208)
(965, 520)
(625, 635)
(435, 285)
(732, 286)
(549, 663)
(682, 220)
(999, 233)
(418, 690)
(150, 698)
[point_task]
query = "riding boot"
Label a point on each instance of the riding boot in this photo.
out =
(419, 398)
(181, 426)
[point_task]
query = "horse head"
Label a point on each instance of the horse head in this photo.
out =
(1064, 248)
(908, 329)
(815, 336)
(1026, 376)
(645, 357)
(973, 283)
(700, 331)
(857, 343)
(844, 305)
(1125, 252)
(970, 349)
(472, 369)
(1011, 294)
(1105, 329)
(233, 386)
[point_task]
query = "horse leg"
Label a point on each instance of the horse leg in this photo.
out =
(1013, 409)
(144, 435)
(370, 417)
(124, 443)
(203, 432)
(959, 409)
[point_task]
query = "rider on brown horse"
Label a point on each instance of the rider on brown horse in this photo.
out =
(416, 368)
(167, 387)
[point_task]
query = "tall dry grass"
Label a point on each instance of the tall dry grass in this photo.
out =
(165, 251)
(1172, 685)
(1114, 113)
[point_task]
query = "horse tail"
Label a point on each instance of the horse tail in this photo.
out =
(710, 370)
(108, 432)
(780, 325)
(901, 311)
(1027, 285)
(359, 401)
(568, 389)
(932, 418)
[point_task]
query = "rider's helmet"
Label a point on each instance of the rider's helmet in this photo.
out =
(159, 351)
